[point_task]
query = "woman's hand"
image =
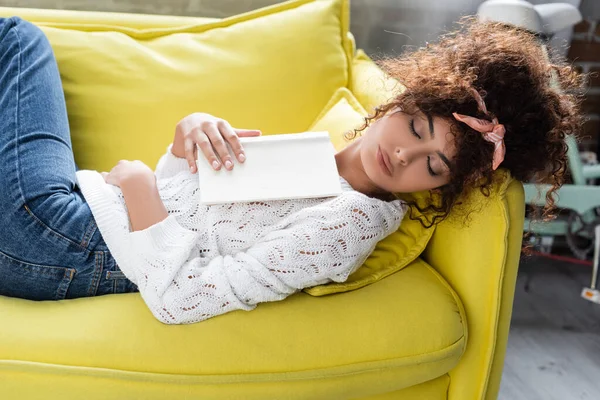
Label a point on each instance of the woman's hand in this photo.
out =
(209, 133)
(138, 185)
(127, 172)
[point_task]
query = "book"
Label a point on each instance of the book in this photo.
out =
(277, 167)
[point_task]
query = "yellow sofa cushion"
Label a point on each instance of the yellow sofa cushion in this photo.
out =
(126, 88)
(403, 330)
(370, 84)
(342, 113)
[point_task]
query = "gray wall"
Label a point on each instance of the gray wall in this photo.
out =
(590, 9)
(387, 25)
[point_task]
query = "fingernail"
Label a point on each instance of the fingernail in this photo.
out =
(242, 158)
(191, 168)
(215, 164)
(228, 164)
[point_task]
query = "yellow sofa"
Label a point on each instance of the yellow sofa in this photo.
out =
(128, 79)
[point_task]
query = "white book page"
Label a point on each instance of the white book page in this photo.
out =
(289, 166)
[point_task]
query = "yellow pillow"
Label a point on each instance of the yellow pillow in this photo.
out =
(371, 86)
(342, 113)
(127, 87)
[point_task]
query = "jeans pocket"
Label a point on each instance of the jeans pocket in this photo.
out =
(115, 275)
(33, 281)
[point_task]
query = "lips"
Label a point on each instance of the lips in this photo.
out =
(383, 163)
(388, 164)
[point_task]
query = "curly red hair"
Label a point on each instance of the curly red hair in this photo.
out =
(518, 81)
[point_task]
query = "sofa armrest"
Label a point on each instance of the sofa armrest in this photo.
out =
(480, 261)
(482, 271)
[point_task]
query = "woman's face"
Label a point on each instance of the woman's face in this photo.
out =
(402, 153)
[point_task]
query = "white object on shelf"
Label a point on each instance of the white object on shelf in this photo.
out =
(287, 166)
(541, 18)
(514, 12)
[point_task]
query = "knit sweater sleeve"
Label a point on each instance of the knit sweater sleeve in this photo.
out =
(170, 165)
(317, 245)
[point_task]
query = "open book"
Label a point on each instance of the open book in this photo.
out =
(287, 166)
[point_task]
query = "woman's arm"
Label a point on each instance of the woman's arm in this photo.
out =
(318, 245)
(143, 202)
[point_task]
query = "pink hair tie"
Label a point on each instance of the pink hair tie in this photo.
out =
(492, 131)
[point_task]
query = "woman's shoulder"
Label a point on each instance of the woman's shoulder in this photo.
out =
(366, 211)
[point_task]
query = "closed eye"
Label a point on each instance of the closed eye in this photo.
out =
(431, 172)
(412, 128)
(414, 132)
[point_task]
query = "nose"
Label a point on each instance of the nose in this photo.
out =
(401, 156)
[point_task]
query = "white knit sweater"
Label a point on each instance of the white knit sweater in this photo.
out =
(202, 261)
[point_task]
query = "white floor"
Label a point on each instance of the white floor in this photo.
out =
(554, 342)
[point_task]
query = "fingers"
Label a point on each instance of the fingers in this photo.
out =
(232, 138)
(207, 150)
(189, 147)
(218, 142)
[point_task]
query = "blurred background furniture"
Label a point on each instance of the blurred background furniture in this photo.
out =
(581, 199)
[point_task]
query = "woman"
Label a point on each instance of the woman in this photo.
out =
(71, 234)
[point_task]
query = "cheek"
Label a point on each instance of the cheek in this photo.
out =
(368, 158)
(415, 178)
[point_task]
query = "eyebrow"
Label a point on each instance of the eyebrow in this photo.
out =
(444, 159)
(430, 125)
(432, 133)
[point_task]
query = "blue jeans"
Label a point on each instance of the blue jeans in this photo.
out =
(50, 246)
